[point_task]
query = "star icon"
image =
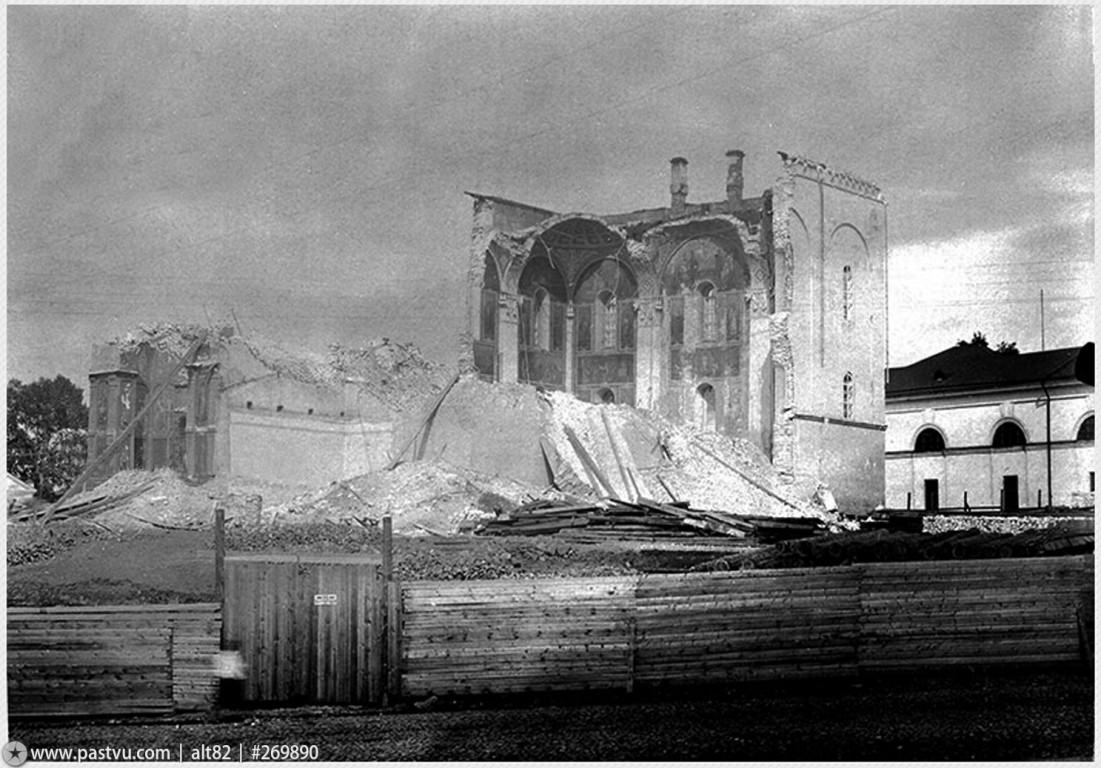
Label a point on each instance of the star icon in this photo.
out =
(15, 753)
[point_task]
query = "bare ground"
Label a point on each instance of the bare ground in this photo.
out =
(1038, 715)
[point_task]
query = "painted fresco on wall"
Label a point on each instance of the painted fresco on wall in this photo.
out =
(604, 311)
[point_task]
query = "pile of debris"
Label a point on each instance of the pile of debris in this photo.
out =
(897, 546)
(396, 373)
(421, 497)
(130, 499)
(627, 453)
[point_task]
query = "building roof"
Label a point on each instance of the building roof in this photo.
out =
(968, 367)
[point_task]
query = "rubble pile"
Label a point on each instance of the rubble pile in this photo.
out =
(394, 372)
(168, 338)
(397, 374)
(138, 498)
(629, 453)
(996, 523)
(421, 497)
(880, 546)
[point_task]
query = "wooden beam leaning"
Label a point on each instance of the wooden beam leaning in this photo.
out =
(423, 422)
(130, 428)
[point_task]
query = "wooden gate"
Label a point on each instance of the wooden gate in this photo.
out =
(309, 627)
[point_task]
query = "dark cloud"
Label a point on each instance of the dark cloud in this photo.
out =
(170, 160)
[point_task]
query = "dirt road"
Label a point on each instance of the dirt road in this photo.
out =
(1046, 715)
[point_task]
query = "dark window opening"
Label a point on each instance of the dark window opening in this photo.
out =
(1009, 435)
(929, 440)
(1010, 494)
(1085, 432)
(278, 408)
(932, 495)
(248, 405)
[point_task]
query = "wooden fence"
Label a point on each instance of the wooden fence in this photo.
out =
(309, 627)
(112, 659)
(561, 634)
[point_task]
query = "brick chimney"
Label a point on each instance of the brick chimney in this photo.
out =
(678, 183)
(734, 182)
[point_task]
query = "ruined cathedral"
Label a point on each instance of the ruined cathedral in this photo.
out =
(758, 317)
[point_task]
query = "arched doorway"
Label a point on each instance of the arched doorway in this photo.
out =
(705, 407)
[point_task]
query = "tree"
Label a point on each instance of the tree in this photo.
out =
(1008, 348)
(977, 340)
(47, 423)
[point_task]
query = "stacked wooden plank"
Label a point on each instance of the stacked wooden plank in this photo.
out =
(507, 637)
(702, 628)
(1010, 611)
(643, 517)
(112, 659)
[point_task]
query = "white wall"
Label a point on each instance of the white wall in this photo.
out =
(970, 463)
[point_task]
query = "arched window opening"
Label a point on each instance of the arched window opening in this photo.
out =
(1009, 435)
(705, 407)
(608, 317)
(1085, 432)
(847, 396)
(708, 313)
(929, 440)
(541, 320)
(847, 292)
(676, 320)
(491, 289)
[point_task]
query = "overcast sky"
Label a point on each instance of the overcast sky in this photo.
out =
(304, 166)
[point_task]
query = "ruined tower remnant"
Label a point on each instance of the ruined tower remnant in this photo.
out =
(761, 317)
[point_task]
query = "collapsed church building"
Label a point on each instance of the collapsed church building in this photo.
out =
(761, 319)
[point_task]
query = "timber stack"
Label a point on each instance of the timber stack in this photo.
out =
(615, 518)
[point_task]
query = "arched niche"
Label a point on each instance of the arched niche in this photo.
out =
(605, 334)
(542, 323)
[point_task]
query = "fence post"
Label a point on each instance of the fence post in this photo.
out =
(219, 552)
(908, 497)
(1039, 498)
(393, 672)
(390, 625)
(631, 633)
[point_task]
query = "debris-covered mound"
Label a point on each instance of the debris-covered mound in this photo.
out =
(134, 499)
(896, 546)
(33, 543)
(163, 499)
(394, 372)
(422, 497)
(933, 523)
(628, 453)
